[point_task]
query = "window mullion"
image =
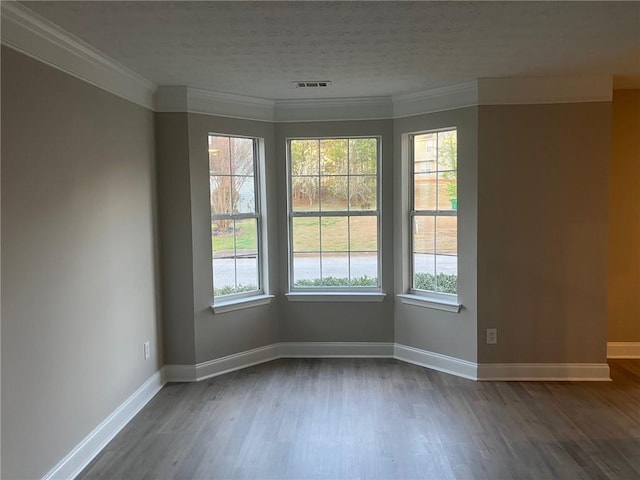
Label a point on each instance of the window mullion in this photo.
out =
(336, 213)
(234, 216)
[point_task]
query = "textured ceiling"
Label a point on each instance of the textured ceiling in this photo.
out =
(364, 48)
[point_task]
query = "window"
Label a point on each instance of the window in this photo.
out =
(334, 214)
(433, 209)
(236, 220)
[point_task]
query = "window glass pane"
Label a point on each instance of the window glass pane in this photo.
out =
(424, 190)
(446, 235)
(247, 272)
(363, 233)
(220, 190)
(333, 156)
(224, 276)
(363, 193)
(424, 269)
(305, 194)
(364, 269)
(447, 150)
(447, 191)
(424, 234)
(306, 234)
(243, 195)
(219, 155)
(304, 157)
(242, 156)
(306, 270)
(222, 238)
(363, 156)
(446, 274)
(335, 234)
(424, 153)
(246, 235)
(335, 269)
(334, 193)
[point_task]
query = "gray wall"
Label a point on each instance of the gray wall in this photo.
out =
(543, 173)
(78, 266)
(452, 334)
(176, 252)
(337, 322)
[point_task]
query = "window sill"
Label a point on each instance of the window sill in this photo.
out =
(241, 303)
(335, 296)
(430, 302)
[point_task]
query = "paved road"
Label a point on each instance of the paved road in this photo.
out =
(332, 266)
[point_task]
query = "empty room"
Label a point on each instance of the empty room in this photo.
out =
(320, 240)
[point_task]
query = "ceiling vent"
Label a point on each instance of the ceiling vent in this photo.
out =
(313, 84)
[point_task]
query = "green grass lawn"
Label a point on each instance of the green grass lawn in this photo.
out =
(336, 234)
(222, 239)
(307, 233)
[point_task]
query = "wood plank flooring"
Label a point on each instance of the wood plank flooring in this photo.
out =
(380, 419)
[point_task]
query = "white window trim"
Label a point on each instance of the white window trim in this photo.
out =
(234, 304)
(334, 294)
(429, 300)
(262, 296)
(409, 296)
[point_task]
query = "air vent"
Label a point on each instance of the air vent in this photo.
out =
(313, 84)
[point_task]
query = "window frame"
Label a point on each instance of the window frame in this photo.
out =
(334, 293)
(415, 296)
(259, 296)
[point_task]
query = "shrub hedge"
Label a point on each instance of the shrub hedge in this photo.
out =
(441, 282)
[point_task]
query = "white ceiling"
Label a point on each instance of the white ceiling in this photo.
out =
(365, 48)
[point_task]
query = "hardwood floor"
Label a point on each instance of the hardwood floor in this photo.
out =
(380, 419)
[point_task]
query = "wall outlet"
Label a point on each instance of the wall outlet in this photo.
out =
(492, 336)
(147, 350)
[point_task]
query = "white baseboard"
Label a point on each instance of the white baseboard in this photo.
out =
(436, 361)
(623, 350)
(71, 465)
(335, 350)
(416, 356)
(236, 361)
(522, 372)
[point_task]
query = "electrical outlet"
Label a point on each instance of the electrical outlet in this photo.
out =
(492, 336)
(147, 350)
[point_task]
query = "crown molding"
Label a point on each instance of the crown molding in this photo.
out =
(449, 97)
(194, 100)
(229, 105)
(544, 90)
(333, 109)
(27, 32)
